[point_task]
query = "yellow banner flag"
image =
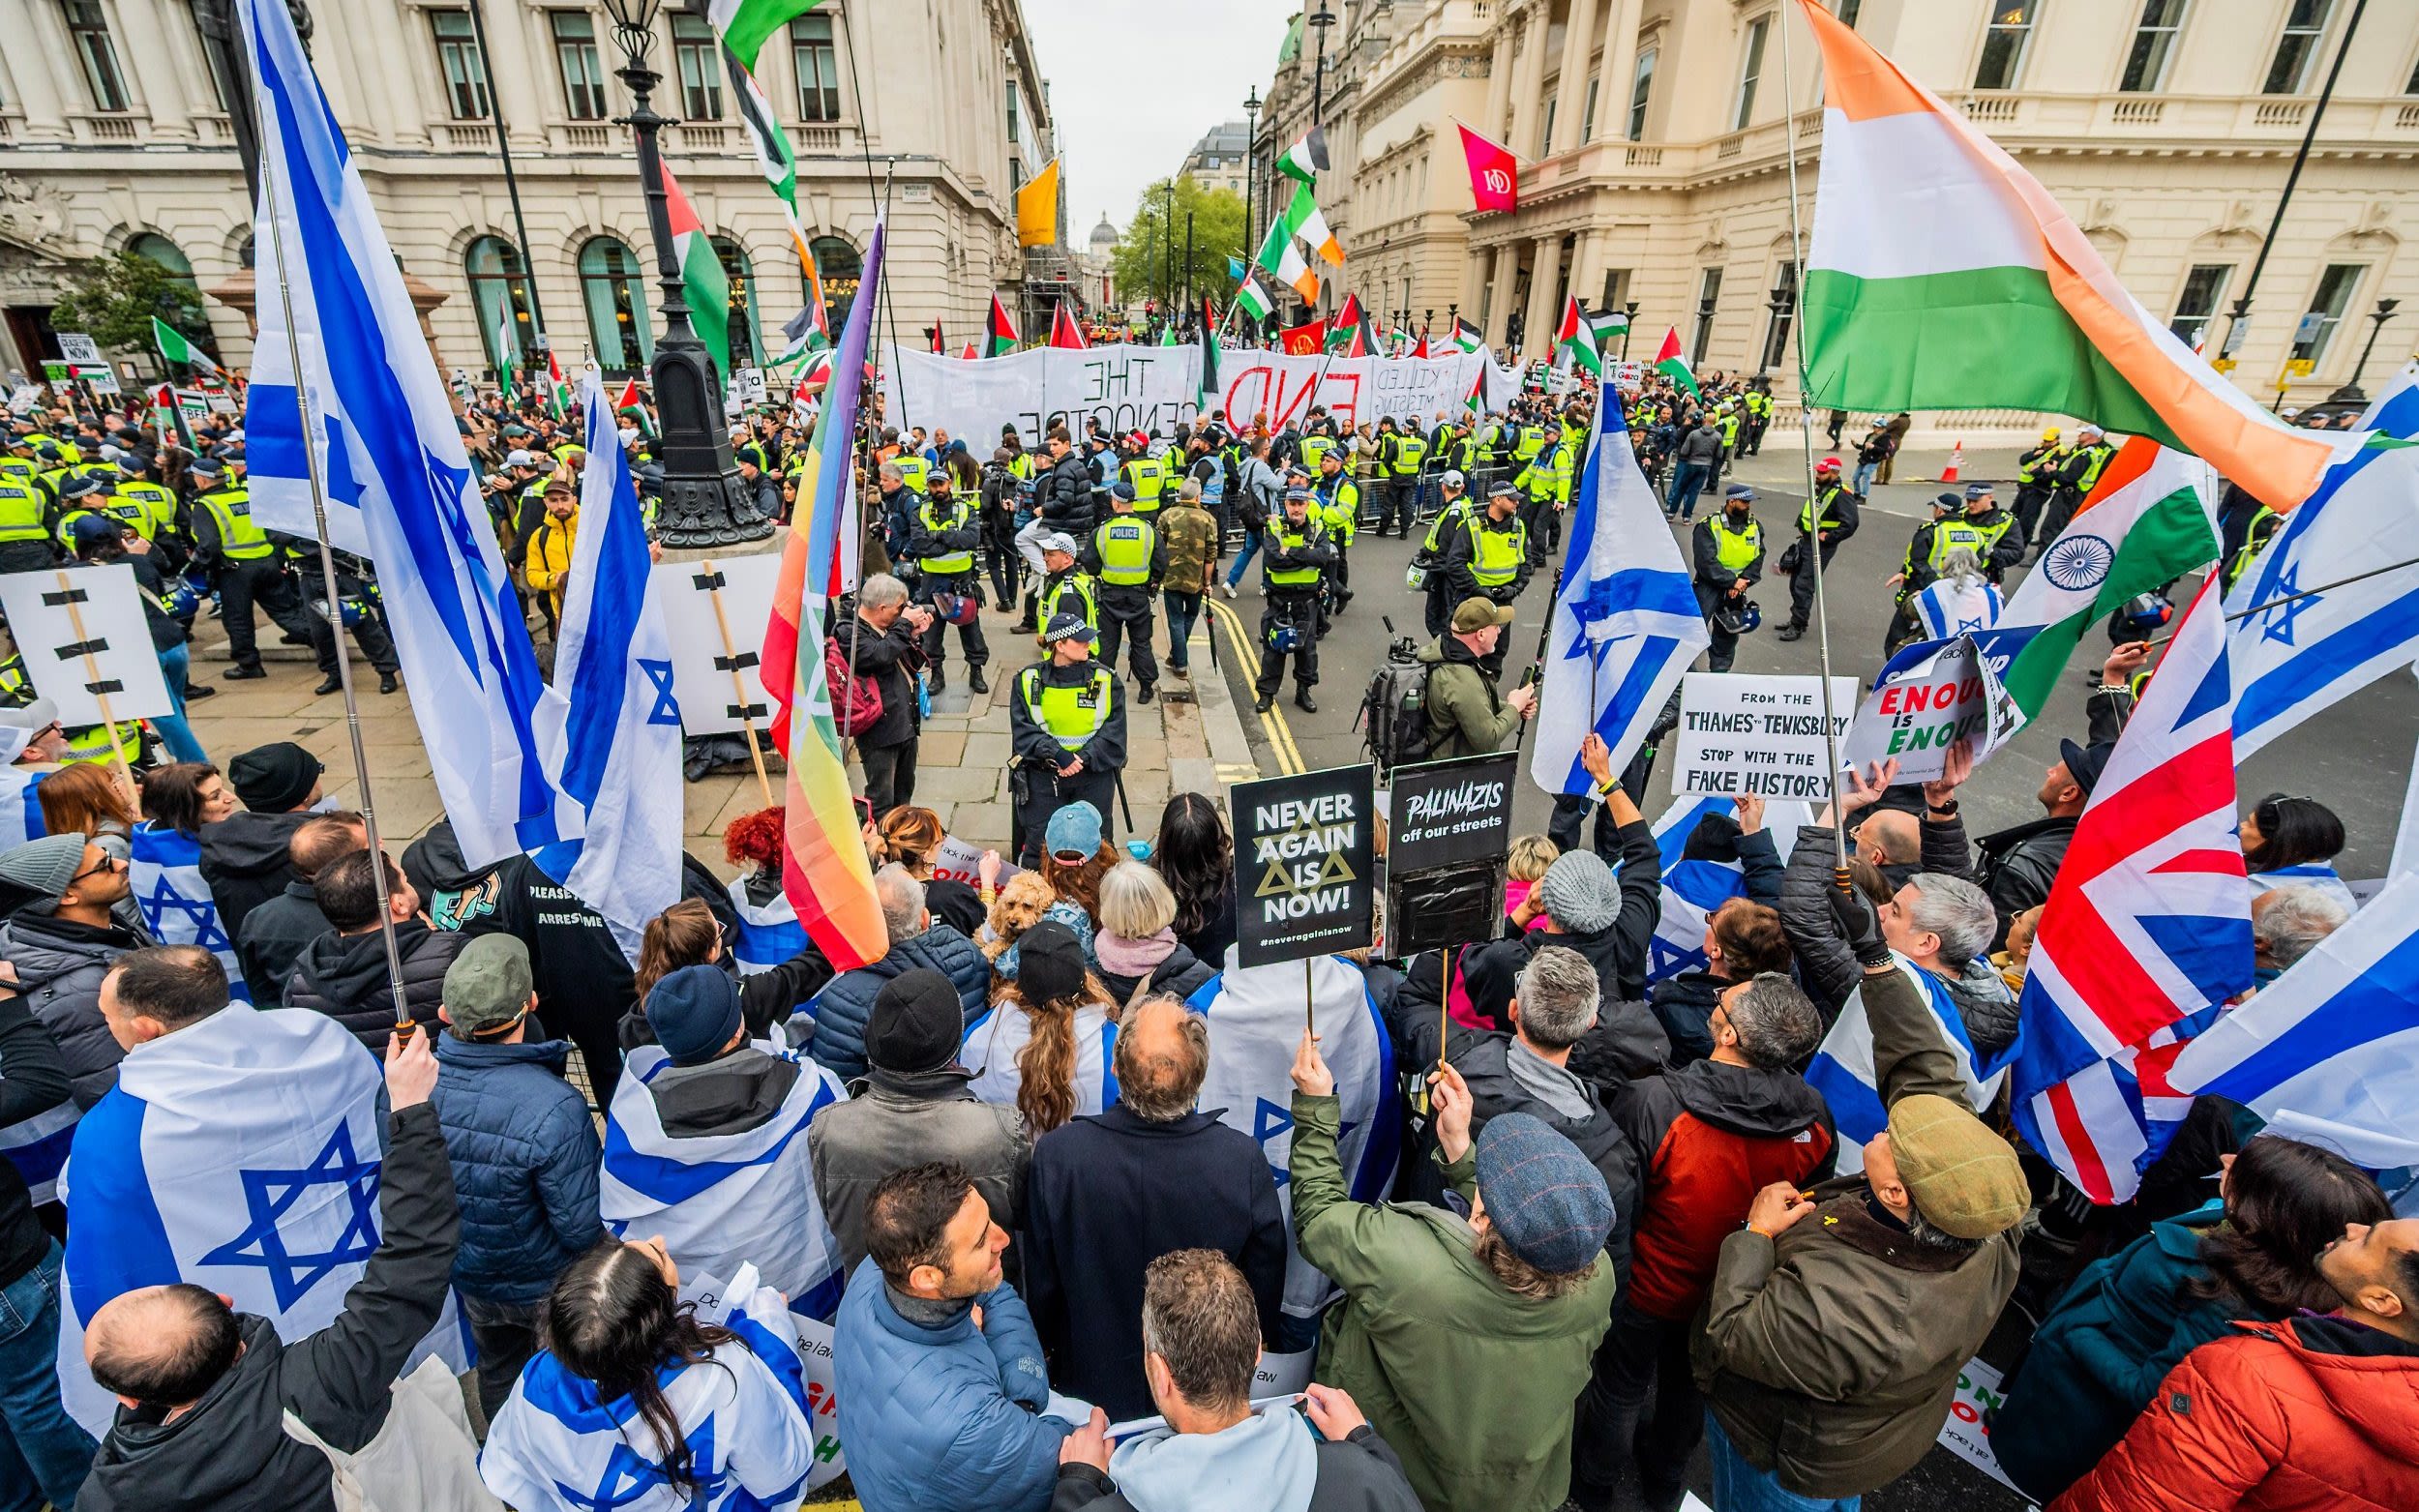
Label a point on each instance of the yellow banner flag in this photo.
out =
(1037, 209)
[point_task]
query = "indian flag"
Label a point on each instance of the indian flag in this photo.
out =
(1577, 340)
(2150, 519)
(1253, 300)
(1943, 276)
(1672, 365)
(703, 285)
(745, 24)
(173, 347)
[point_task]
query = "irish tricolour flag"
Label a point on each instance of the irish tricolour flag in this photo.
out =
(1943, 276)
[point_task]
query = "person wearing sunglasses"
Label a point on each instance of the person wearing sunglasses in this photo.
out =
(56, 896)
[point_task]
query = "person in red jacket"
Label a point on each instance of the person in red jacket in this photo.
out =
(2310, 1413)
(1709, 1135)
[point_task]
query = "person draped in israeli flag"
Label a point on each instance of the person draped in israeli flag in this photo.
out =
(1052, 985)
(1695, 884)
(163, 876)
(399, 488)
(20, 812)
(610, 728)
(1256, 1016)
(705, 1144)
(239, 1152)
(718, 1421)
(1959, 602)
(1843, 1070)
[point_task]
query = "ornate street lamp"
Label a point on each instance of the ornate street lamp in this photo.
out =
(1320, 21)
(1251, 167)
(2351, 392)
(703, 505)
(1630, 319)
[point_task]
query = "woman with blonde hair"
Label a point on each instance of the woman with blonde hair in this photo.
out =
(1137, 945)
(912, 838)
(1044, 1046)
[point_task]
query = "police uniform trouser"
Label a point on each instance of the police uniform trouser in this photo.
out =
(1407, 491)
(258, 581)
(1125, 607)
(1802, 581)
(1545, 528)
(2031, 498)
(1725, 645)
(1298, 609)
(1038, 792)
(1000, 556)
(971, 633)
(1440, 602)
(26, 556)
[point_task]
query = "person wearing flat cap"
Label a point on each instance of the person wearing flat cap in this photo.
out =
(1465, 1332)
(1066, 734)
(1839, 1320)
(1467, 716)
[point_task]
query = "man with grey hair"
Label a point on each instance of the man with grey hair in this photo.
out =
(1527, 1071)
(877, 639)
(845, 1006)
(1112, 1192)
(2287, 924)
(1943, 925)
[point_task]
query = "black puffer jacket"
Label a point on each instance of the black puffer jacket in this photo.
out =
(1063, 496)
(245, 861)
(345, 977)
(1825, 965)
(59, 966)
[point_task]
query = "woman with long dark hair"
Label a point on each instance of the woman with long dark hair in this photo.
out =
(185, 796)
(627, 1389)
(1196, 857)
(2291, 841)
(2099, 1356)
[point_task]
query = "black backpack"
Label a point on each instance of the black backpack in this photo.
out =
(1395, 710)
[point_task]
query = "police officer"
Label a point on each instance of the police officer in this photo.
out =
(1065, 588)
(1128, 559)
(943, 544)
(2077, 476)
(1406, 466)
(1546, 481)
(147, 506)
(242, 561)
(1429, 559)
(1146, 475)
(2003, 536)
(1728, 556)
(1335, 502)
(2036, 475)
(26, 523)
(1759, 414)
(1487, 556)
(1066, 735)
(1926, 554)
(1293, 573)
(1840, 510)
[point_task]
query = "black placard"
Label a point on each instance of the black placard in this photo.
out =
(1305, 855)
(1450, 812)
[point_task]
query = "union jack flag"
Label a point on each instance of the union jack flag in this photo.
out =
(2148, 926)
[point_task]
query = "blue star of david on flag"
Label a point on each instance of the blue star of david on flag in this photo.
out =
(1269, 1120)
(666, 709)
(2277, 624)
(269, 1195)
(201, 912)
(628, 1476)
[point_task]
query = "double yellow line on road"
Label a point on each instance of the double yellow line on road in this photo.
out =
(1247, 656)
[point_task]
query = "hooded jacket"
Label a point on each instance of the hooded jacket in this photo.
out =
(1707, 1137)
(1270, 1461)
(231, 1452)
(245, 861)
(345, 977)
(525, 1155)
(2316, 1413)
(846, 1004)
(274, 936)
(899, 1119)
(59, 966)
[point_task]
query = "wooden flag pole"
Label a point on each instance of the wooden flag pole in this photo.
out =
(713, 581)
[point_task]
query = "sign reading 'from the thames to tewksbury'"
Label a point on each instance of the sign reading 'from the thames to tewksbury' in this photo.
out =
(1741, 734)
(1303, 857)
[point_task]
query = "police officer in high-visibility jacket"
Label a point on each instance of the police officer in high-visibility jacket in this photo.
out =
(1409, 462)
(146, 506)
(1335, 502)
(1146, 475)
(1065, 588)
(1926, 554)
(1429, 561)
(1840, 512)
(2003, 536)
(1127, 558)
(1294, 568)
(943, 542)
(26, 522)
(2036, 475)
(1727, 551)
(1546, 482)
(1487, 556)
(1066, 735)
(2077, 477)
(242, 560)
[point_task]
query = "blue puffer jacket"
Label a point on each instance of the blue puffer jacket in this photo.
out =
(846, 1002)
(937, 1419)
(525, 1155)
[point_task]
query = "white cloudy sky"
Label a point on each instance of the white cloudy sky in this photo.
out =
(1136, 82)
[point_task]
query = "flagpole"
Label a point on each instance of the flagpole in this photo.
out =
(335, 613)
(1806, 439)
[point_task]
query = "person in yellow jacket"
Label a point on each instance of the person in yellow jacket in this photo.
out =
(549, 562)
(1546, 482)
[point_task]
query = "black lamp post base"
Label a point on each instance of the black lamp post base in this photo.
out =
(697, 512)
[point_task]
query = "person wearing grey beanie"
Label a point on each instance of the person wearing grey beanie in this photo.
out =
(58, 893)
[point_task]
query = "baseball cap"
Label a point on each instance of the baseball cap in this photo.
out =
(2085, 764)
(488, 985)
(1477, 613)
(1454, 477)
(1827, 464)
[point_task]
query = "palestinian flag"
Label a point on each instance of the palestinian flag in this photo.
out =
(1467, 338)
(773, 156)
(504, 351)
(169, 416)
(703, 282)
(969, 354)
(558, 387)
(745, 24)
(173, 347)
(1253, 300)
(1345, 328)
(1307, 157)
(1064, 333)
(1000, 336)
(1670, 363)
(2015, 310)
(1422, 350)
(939, 345)
(1167, 332)
(629, 405)
(1608, 323)
(1474, 401)
(1210, 388)
(1577, 340)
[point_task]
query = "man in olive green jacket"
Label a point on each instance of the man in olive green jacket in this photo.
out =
(1830, 1350)
(1464, 1341)
(1466, 717)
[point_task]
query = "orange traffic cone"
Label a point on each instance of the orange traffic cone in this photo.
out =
(1956, 461)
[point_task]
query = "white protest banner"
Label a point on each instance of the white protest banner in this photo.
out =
(1967, 1432)
(1918, 715)
(814, 1348)
(77, 347)
(23, 398)
(1741, 734)
(1126, 388)
(1352, 389)
(961, 861)
(81, 632)
(701, 666)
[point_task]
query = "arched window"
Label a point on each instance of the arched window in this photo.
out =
(613, 289)
(499, 299)
(744, 345)
(841, 268)
(183, 309)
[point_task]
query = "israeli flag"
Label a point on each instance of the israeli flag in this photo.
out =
(240, 1154)
(1256, 1017)
(38, 1147)
(2317, 875)
(1844, 1070)
(1693, 888)
(610, 729)
(164, 873)
(1000, 1035)
(769, 932)
(20, 812)
(722, 1200)
(2307, 639)
(2329, 1053)
(743, 1411)
(1625, 624)
(1957, 607)
(399, 488)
